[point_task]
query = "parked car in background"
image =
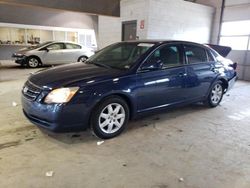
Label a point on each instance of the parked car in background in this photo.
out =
(52, 53)
(123, 81)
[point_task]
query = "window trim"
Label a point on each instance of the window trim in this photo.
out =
(208, 51)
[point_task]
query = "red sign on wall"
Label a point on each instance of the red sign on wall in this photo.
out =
(142, 24)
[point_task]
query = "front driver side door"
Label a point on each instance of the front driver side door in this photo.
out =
(165, 86)
(54, 54)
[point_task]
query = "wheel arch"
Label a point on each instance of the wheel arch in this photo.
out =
(224, 83)
(35, 56)
(123, 96)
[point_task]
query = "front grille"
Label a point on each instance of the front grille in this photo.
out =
(31, 91)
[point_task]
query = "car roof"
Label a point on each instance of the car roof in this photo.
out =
(159, 41)
(63, 42)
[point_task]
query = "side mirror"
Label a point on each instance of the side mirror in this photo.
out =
(153, 65)
(47, 49)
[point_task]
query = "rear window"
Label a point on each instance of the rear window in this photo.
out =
(72, 46)
(195, 54)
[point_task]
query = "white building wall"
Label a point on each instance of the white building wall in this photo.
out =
(109, 31)
(163, 19)
(136, 10)
(180, 20)
(217, 4)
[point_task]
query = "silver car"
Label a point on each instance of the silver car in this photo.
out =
(52, 53)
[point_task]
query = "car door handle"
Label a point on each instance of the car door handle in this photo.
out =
(182, 74)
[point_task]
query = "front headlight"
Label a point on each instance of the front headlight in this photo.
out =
(61, 95)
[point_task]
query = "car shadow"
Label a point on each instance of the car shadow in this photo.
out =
(134, 125)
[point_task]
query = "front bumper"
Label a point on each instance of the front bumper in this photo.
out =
(56, 117)
(20, 59)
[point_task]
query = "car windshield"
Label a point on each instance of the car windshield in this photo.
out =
(39, 45)
(120, 56)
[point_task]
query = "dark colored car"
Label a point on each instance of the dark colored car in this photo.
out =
(123, 81)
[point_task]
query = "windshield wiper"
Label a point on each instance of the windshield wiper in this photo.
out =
(104, 65)
(98, 64)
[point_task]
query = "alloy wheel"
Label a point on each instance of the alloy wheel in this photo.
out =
(112, 118)
(33, 62)
(82, 59)
(216, 94)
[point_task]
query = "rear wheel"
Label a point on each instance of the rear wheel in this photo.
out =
(216, 94)
(110, 117)
(82, 59)
(33, 62)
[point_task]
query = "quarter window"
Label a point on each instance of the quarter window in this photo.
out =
(210, 56)
(195, 54)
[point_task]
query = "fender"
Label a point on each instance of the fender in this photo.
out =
(109, 88)
(219, 78)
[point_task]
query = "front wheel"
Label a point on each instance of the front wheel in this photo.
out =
(216, 94)
(110, 117)
(33, 62)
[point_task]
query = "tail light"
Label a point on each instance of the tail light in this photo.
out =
(234, 65)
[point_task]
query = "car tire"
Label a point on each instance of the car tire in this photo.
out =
(82, 59)
(215, 95)
(110, 117)
(33, 62)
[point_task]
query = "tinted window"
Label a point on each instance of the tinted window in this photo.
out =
(72, 46)
(168, 55)
(195, 54)
(120, 55)
(56, 46)
(39, 45)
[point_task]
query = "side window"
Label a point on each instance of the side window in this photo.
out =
(72, 46)
(56, 46)
(168, 56)
(195, 54)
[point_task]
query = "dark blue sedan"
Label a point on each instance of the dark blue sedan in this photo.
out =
(125, 80)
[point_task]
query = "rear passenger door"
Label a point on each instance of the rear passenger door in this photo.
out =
(72, 52)
(200, 71)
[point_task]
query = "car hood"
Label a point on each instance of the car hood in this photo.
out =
(22, 51)
(72, 74)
